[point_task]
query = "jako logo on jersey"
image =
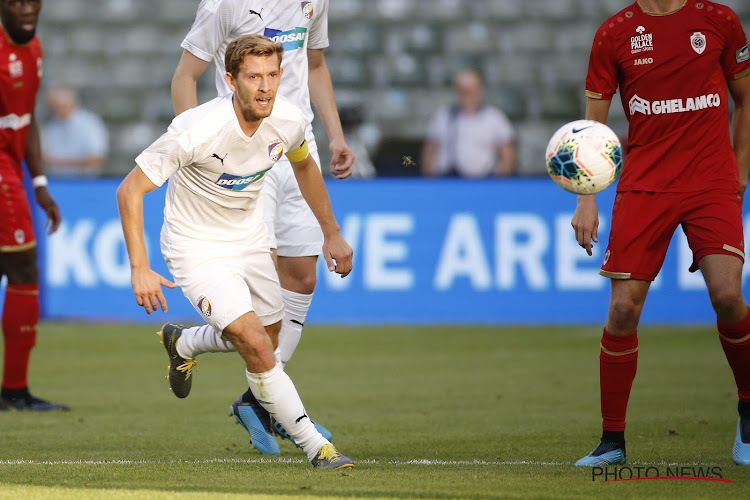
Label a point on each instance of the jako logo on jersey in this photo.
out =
(698, 42)
(307, 10)
(645, 60)
(291, 40)
(204, 305)
(642, 42)
(236, 183)
(640, 105)
(275, 150)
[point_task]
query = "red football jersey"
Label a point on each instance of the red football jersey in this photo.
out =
(672, 71)
(20, 73)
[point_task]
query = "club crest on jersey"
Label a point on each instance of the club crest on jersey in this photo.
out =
(237, 183)
(642, 42)
(698, 42)
(204, 305)
(307, 10)
(291, 40)
(275, 150)
(15, 67)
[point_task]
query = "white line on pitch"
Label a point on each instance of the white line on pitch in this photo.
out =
(301, 461)
(270, 461)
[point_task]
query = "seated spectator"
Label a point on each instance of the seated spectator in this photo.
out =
(471, 138)
(74, 140)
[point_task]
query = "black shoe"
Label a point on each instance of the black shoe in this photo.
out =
(30, 403)
(180, 369)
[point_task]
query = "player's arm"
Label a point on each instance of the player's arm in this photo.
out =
(740, 90)
(146, 283)
(336, 250)
(33, 157)
(586, 217)
(322, 97)
(185, 81)
(506, 159)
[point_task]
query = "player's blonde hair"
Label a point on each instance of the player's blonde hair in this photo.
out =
(249, 45)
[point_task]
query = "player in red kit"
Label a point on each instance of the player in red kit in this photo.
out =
(20, 72)
(673, 61)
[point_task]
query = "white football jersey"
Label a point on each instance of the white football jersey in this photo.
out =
(297, 25)
(216, 171)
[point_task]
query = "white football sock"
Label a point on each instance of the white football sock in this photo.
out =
(295, 312)
(276, 392)
(200, 339)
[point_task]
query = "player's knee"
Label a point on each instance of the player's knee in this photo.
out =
(726, 299)
(625, 310)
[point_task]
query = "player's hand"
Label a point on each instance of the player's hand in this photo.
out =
(338, 255)
(147, 289)
(44, 199)
(342, 159)
(586, 222)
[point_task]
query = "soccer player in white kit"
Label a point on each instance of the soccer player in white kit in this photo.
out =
(295, 238)
(213, 239)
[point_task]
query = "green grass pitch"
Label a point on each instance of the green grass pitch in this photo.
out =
(449, 412)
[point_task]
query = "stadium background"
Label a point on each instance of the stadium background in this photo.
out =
(427, 251)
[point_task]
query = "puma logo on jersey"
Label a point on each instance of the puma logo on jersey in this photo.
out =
(256, 13)
(219, 158)
(645, 60)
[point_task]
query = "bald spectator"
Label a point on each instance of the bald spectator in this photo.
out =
(469, 139)
(74, 141)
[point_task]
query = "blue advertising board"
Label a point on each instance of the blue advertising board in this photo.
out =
(425, 252)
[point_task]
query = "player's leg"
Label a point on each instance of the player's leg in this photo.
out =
(19, 322)
(275, 391)
(723, 275)
(618, 362)
(715, 234)
(295, 239)
(642, 227)
(298, 279)
(18, 262)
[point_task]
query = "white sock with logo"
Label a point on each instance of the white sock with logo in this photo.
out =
(296, 306)
(200, 339)
(276, 392)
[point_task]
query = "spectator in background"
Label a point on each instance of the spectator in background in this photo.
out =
(75, 140)
(469, 138)
(360, 138)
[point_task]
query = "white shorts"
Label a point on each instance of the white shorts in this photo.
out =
(293, 230)
(224, 281)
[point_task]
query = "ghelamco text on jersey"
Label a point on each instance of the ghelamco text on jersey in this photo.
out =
(640, 105)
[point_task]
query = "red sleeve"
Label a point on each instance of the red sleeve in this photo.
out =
(601, 80)
(735, 59)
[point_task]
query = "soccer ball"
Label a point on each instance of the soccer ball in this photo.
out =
(584, 157)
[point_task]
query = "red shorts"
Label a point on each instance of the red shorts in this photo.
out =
(643, 224)
(16, 228)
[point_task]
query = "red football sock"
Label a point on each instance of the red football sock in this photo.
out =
(20, 318)
(618, 361)
(735, 340)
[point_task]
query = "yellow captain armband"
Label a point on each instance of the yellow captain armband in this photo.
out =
(298, 154)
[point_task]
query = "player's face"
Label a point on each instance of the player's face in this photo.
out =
(256, 85)
(19, 18)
